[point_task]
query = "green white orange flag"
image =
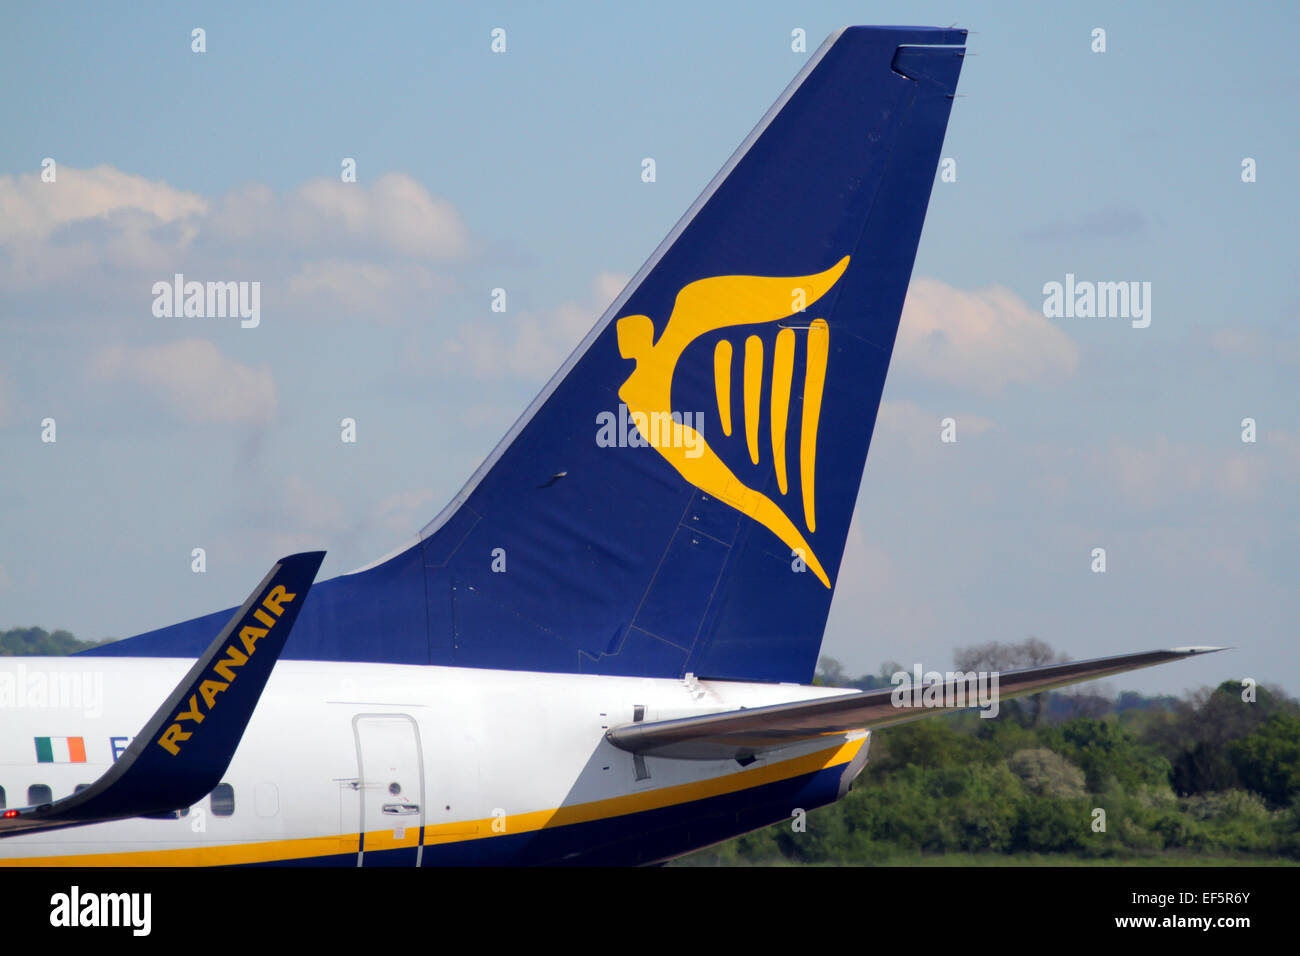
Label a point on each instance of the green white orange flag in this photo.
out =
(60, 750)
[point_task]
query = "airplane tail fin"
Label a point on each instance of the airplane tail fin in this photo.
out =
(677, 498)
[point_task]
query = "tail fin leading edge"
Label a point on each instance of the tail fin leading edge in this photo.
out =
(678, 497)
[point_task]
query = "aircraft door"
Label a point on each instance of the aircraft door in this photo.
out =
(390, 773)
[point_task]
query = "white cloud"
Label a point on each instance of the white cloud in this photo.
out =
(405, 511)
(877, 613)
(395, 212)
(606, 287)
(906, 425)
(396, 215)
(114, 234)
(984, 340)
(198, 383)
(530, 343)
(340, 288)
(1164, 470)
(31, 209)
(99, 227)
(907, 417)
(1254, 344)
(290, 515)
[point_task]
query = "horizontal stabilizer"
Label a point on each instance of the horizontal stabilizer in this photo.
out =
(185, 748)
(746, 732)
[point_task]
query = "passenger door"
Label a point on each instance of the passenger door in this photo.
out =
(390, 774)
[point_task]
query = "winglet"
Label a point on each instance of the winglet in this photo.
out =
(186, 746)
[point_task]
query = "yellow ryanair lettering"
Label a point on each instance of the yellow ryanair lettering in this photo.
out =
(232, 659)
(193, 713)
(210, 689)
(278, 597)
(174, 735)
(250, 636)
(171, 739)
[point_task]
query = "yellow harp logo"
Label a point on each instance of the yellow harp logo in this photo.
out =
(707, 305)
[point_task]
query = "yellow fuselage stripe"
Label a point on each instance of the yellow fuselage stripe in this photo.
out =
(437, 834)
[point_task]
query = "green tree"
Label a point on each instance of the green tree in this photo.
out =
(1106, 751)
(995, 656)
(37, 642)
(1268, 761)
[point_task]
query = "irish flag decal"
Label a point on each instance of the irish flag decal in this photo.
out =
(61, 750)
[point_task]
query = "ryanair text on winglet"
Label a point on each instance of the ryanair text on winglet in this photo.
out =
(172, 738)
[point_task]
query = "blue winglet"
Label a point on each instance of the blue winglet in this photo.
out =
(185, 748)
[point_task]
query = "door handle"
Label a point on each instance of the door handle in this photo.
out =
(401, 809)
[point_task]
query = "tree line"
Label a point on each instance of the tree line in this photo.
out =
(38, 642)
(1084, 775)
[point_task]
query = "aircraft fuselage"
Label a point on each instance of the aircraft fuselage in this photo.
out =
(378, 764)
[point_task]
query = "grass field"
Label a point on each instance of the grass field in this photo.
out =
(1026, 859)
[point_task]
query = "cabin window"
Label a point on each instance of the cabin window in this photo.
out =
(223, 800)
(39, 793)
(2, 798)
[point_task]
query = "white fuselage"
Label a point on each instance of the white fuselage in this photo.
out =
(357, 758)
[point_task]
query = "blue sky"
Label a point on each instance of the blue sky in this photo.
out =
(522, 170)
